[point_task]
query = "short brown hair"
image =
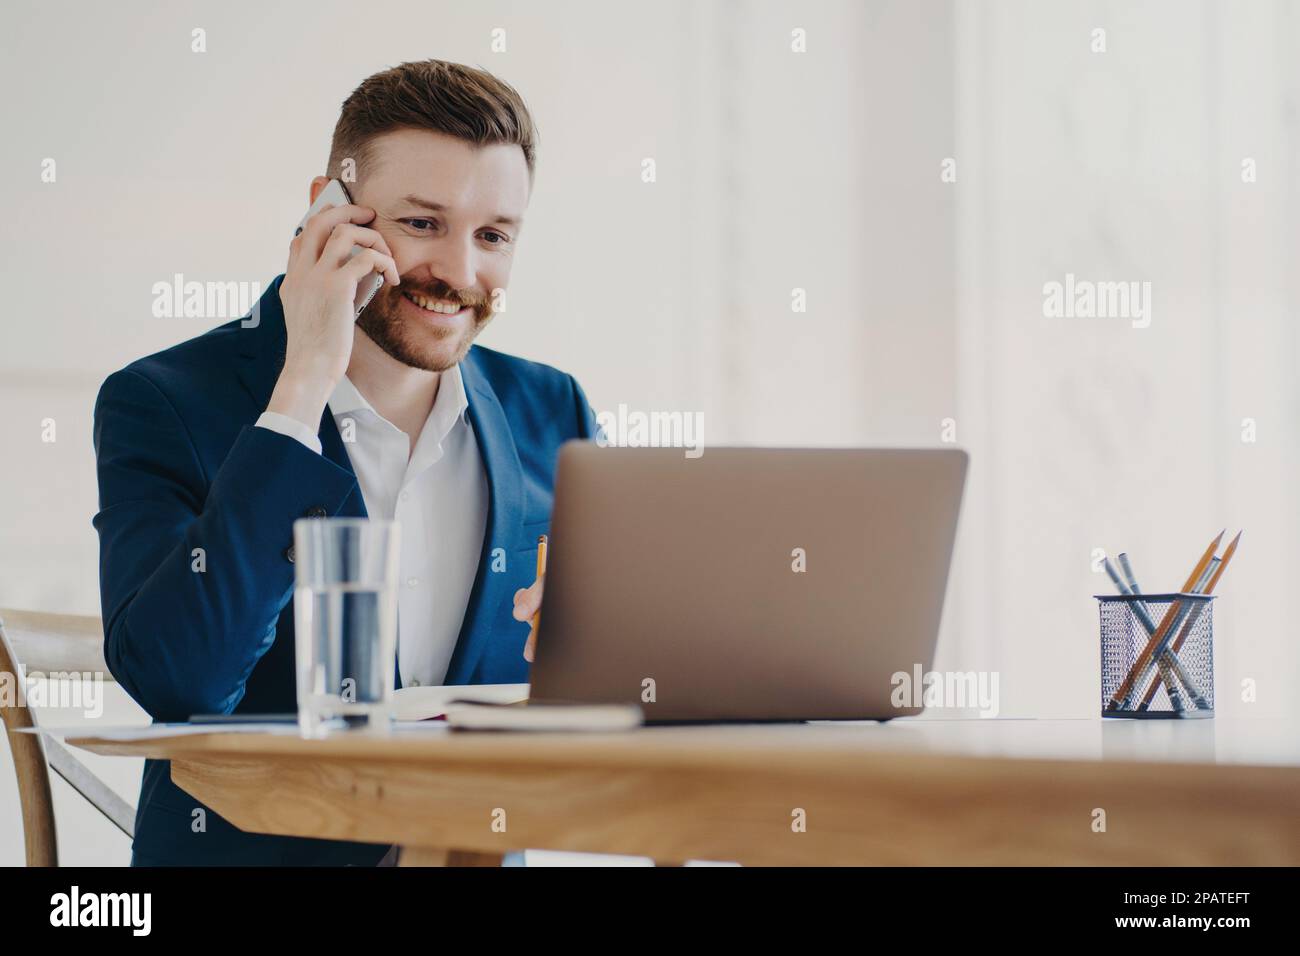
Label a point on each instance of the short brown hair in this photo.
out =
(451, 98)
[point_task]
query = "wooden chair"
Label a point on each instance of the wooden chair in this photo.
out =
(46, 644)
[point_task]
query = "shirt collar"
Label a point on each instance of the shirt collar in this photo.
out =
(450, 404)
(345, 398)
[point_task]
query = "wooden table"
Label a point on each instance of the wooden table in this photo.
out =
(914, 791)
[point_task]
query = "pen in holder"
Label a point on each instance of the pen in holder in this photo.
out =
(1157, 655)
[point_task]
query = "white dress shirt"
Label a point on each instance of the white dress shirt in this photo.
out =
(437, 492)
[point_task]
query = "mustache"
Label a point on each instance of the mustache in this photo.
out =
(439, 290)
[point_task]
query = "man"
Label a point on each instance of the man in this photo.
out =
(209, 451)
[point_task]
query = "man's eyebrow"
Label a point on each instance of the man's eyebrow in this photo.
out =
(432, 206)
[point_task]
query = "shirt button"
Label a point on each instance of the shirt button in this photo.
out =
(288, 554)
(412, 582)
(415, 683)
(404, 496)
(316, 511)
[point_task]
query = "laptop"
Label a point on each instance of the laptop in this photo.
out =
(747, 584)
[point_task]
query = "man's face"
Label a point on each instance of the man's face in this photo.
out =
(451, 215)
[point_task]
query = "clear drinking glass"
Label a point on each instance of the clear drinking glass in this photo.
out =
(345, 618)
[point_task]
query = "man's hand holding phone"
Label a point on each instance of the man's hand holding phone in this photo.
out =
(318, 295)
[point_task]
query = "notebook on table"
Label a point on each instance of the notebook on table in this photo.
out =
(502, 707)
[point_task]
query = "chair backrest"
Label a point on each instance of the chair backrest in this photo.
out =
(56, 642)
(32, 642)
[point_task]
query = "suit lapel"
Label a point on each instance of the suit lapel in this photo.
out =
(334, 448)
(496, 446)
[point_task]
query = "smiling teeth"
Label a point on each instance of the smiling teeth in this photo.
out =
(434, 305)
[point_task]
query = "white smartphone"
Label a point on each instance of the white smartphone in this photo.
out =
(335, 195)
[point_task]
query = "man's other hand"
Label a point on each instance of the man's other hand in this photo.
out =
(527, 601)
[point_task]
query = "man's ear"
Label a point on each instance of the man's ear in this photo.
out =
(317, 184)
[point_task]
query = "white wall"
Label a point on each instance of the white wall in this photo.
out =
(1090, 433)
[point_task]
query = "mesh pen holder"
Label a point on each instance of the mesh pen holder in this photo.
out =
(1176, 683)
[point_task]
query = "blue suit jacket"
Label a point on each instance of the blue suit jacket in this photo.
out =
(181, 466)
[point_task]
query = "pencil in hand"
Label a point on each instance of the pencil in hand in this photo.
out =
(528, 601)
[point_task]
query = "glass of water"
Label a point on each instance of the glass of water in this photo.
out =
(345, 618)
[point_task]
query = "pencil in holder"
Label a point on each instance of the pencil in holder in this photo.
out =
(1157, 655)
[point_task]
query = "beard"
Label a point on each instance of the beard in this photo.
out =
(420, 346)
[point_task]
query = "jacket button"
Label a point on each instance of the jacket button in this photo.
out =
(316, 511)
(288, 554)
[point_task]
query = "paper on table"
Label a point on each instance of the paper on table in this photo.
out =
(421, 726)
(409, 704)
(155, 731)
(423, 703)
(599, 718)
